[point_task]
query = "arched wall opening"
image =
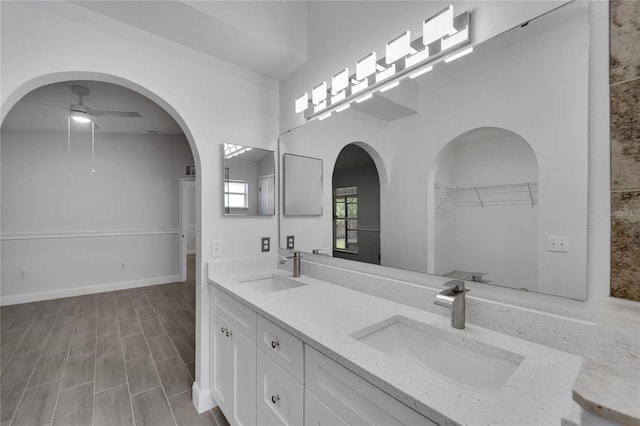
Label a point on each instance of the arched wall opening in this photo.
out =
(485, 209)
(74, 192)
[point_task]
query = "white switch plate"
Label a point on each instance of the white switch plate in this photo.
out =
(558, 243)
(216, 248)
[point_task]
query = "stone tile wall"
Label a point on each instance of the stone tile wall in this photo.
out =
(624, 82)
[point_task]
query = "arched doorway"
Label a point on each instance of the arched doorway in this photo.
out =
(356, 206)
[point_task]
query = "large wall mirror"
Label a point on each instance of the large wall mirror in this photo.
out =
(249, 180)
(481, 165)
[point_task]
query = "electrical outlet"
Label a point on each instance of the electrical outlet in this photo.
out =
(290, 242)
(22, 275)
(558, 244)
(216, 248)
(266, 244)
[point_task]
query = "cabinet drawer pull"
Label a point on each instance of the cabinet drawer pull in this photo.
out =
(229, 333)
(275, 398)
(275, 343)
(223, 330)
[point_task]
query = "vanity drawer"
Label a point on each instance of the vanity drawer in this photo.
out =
(352, 398)
(280, 398)
(318, 414)
(283, 348)
(240, 317)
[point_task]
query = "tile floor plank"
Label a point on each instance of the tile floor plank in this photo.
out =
(79, 370)
(151, 408)
(161, 347)
(174, 376)
(110, 372)
(186, 348)
(75, 406)
(37, 405)
(108, 345)
(83, 343)
(182, 408)
(134, 347)
(20, 366)
(113, 407)
(141, 374)
(130, 327)
(10, 395)
(57, 343)
(107, 326)
(48, 369)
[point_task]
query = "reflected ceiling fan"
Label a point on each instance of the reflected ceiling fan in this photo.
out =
(83, 114)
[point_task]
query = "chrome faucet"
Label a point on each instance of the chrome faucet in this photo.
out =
(454, 299)
(295, 255)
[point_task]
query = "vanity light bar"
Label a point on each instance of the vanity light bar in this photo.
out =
(442, 34)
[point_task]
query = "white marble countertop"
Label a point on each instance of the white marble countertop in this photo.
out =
(324, 316)
(609, 381)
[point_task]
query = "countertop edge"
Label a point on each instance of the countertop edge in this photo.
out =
(614, 394)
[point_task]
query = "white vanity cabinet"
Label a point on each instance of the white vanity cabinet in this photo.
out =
(234, 359)
(348, 397)
(280, 375)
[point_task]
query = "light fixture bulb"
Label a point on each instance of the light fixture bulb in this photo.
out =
(422, 71)
(390, 86)
(459, 55)
(343, 107)
(80, 117)
(364, 98)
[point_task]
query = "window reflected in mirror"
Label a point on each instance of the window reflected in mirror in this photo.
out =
(249, 181)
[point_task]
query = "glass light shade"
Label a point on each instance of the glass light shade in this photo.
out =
(438, 26)
(417, 57)
(81, 117)
(319, 93)
(340, 81)
(322, 105)
(398, 48)
(360, 86)
(459, 37)
(366, 66)
(302, 103)
(338, 97)
(383, 75)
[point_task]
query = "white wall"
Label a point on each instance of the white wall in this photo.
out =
(213, 101)
(133, 191)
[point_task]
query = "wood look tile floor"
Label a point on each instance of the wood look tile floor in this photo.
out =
(119, 358)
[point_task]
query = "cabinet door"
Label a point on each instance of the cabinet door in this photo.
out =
(318, 414)
(222, 362)
(243, 368)
(352, 398)
(280, 397)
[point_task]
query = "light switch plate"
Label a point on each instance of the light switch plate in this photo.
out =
(266, 244)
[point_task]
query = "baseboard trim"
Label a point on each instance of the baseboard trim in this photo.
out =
(202, 400)
(90, 289)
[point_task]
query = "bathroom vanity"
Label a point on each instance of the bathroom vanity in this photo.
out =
(306, 351)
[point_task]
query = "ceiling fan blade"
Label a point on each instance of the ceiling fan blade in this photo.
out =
(45, 104)
(115, 113)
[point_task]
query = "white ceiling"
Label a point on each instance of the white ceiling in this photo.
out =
(44, 110)
(268, 37)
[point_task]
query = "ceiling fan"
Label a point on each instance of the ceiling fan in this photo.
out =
(83, 114)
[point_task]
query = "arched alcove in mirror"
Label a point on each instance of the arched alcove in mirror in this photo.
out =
(356, 206)
(486, 209)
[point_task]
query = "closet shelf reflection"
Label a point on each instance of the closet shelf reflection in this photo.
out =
(511, 194)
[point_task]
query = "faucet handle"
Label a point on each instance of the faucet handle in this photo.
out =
(456, 285)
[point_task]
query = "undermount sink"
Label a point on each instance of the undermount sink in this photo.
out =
(465, 362)
(270, 283)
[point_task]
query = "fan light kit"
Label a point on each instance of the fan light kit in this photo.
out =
(82, 114)
(443, 36)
